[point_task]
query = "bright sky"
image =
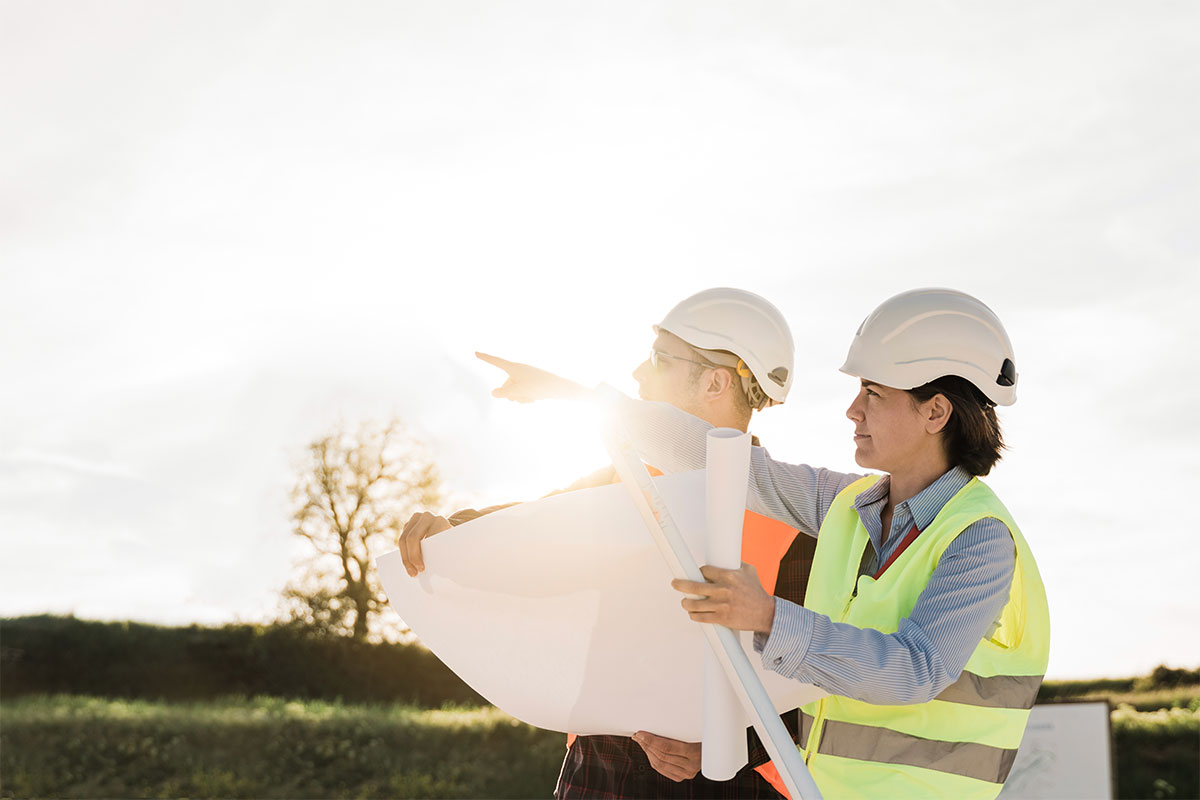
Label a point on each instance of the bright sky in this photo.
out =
(223, 225)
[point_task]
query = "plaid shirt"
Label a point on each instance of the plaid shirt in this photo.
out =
(616, 766)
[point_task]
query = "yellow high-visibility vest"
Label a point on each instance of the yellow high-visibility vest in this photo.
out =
(962, 743)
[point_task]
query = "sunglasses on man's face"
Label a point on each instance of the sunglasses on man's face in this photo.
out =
(657, 355)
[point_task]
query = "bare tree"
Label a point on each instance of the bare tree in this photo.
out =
(355, 490)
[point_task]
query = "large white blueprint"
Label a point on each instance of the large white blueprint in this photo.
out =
(560, 612)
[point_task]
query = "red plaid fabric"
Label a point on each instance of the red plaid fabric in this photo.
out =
(616, 767)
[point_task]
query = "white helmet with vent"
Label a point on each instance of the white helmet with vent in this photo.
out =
(924, 334)
(746, 325)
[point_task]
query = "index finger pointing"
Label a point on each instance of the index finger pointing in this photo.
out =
(495, 361)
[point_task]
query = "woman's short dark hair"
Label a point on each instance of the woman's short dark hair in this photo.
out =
(972, 436)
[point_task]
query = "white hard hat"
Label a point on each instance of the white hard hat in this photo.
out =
(747, 326)
(924, 334)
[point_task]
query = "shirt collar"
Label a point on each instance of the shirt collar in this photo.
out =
(925, 504)
(874, 493)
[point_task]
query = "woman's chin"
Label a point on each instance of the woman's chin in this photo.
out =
(864, 460)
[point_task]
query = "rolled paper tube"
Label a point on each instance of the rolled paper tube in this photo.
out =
(724, 721)
(724, 643)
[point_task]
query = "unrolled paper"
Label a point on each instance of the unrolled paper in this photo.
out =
(560, 612)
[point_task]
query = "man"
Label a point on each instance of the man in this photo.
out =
(718, 355)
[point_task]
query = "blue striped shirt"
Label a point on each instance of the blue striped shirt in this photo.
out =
(959, 607)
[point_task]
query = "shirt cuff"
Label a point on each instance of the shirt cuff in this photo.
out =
(791, 633)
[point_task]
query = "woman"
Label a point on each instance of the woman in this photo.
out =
(926, 618)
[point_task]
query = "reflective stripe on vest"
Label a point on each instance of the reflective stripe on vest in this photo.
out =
(998, 691)
(963, 742)
(871, 743)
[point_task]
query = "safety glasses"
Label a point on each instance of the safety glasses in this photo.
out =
(657, 355)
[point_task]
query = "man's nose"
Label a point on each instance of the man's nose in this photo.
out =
(639, 372)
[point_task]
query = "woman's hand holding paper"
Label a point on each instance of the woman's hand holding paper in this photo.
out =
(730, 597)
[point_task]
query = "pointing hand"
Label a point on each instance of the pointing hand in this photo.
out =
(526, 384)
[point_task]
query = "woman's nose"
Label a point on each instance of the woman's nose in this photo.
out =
(853, 412)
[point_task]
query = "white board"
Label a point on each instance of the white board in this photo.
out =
(1066, 753)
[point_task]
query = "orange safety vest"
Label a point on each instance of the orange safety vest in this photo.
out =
(764, 543)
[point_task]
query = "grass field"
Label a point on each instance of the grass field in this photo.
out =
(72, 746)
(1176, 697)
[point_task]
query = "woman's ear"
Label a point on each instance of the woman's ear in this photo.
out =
(937, 411)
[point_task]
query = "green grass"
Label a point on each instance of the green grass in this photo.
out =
(1144, 687)
(1178, 697)
(1158, 752)
(75, 746)
(1163, 721)
(70, 746)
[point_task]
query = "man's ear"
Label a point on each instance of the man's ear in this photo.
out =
(719, 383)
(937, 413)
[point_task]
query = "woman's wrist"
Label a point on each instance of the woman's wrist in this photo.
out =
(767, 619)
